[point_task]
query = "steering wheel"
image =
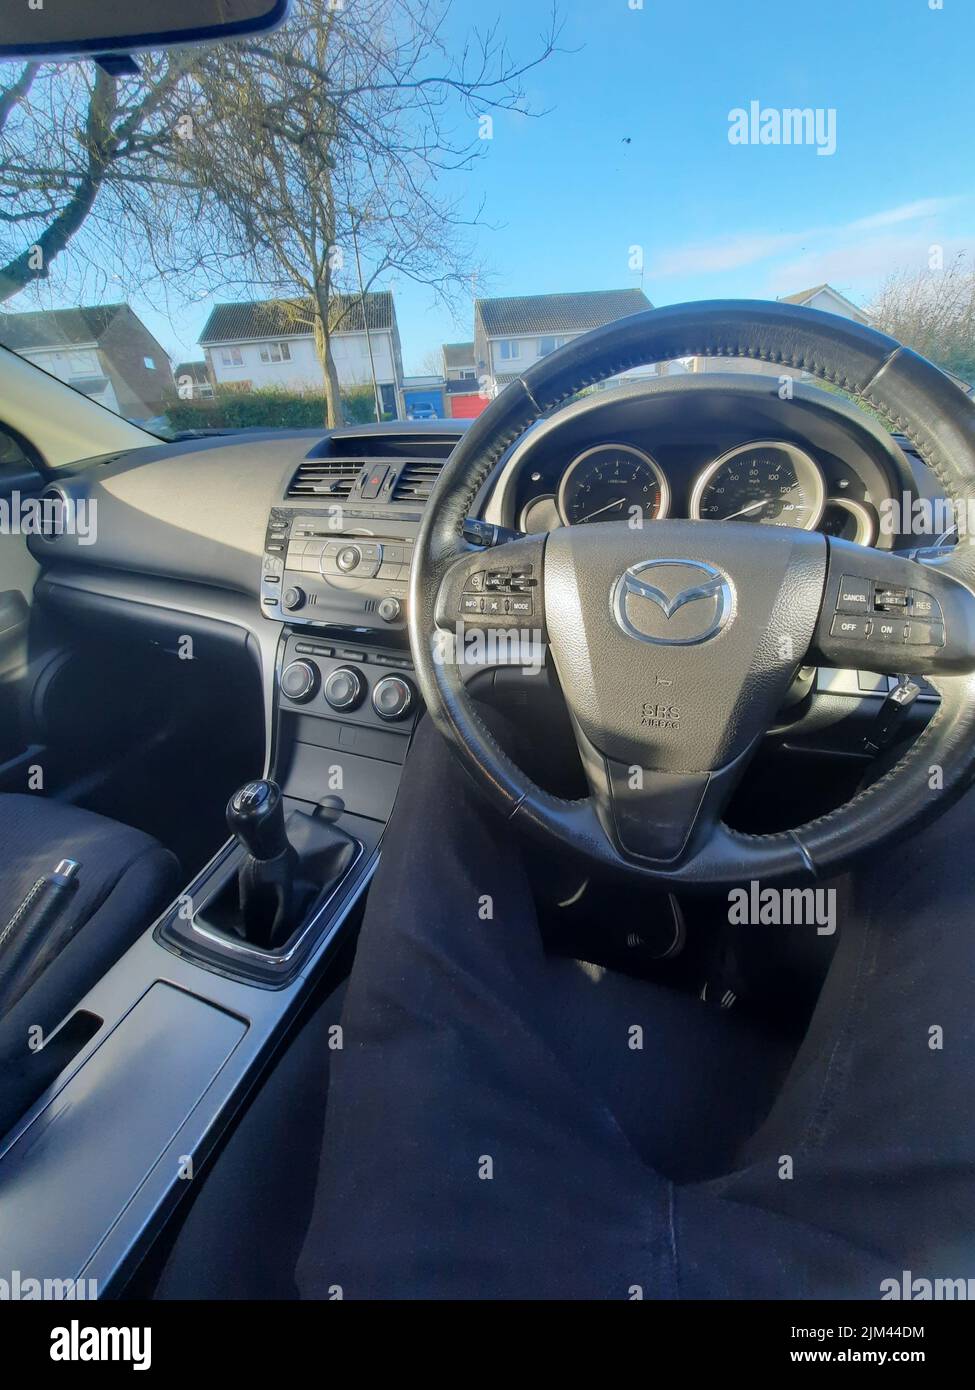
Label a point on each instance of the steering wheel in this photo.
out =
(675, 643)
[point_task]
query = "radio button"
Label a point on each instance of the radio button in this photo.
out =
(389, 609)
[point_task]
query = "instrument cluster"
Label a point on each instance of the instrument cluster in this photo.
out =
(770, 482)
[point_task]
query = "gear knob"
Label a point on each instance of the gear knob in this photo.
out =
(255, 814)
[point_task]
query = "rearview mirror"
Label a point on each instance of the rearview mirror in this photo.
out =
(65, 28)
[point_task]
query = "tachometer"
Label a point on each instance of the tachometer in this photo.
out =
(609, 483)
(769, 481)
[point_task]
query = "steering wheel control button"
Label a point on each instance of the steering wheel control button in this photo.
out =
(393, 698)
(890, 630)
(299, 680)
(499, 593)
(853, 629)
(925, 606)
(855, 596)
(293, 598)
(887, 599)
(923, 634)
(344, 688)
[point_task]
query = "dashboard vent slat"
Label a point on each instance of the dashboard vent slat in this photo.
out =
(416, 480)
(324, 478)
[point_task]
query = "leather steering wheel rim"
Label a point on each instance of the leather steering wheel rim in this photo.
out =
(913, 394)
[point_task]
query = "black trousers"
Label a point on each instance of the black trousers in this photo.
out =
(501, 1121)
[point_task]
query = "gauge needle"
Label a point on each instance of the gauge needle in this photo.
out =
(752, 507)
(599, 510)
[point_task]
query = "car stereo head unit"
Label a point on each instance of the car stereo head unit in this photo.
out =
(337, 566)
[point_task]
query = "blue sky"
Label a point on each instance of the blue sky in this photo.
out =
(634, 151)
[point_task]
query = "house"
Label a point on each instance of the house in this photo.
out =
(459, 368)
(270, 342)
(104, 350)
(822, 297)
(830, 301)
(512, 334)
(193, 381)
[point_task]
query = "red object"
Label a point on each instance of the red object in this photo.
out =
(466, 407)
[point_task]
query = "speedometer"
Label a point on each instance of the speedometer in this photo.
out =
(613, 482)
(769, 481)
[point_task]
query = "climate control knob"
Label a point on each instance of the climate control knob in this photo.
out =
(393, 698)
(345, 688)
(293, 598)
(299, 680)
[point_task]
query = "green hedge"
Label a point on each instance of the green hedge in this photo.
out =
(268, 408)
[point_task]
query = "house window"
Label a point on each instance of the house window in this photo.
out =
(276, 352)
(548, 344)
(149, 364)
(230, 357)
(468, 374)
(510, 349)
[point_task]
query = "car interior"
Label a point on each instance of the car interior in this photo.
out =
(232, 651)
(216, 653)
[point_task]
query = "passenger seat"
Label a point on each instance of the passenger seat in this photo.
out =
(124, 879)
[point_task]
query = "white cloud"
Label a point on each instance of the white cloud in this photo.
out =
(729, 254)
(907, 212)
(863, 264)
(844, 241)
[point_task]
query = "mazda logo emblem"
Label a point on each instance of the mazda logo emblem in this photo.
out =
(674, 603)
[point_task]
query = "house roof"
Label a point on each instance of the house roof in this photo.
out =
(804, 296)
(57, 327)
(558, 313)
(458, 355)
(289, 318)
(196, 371)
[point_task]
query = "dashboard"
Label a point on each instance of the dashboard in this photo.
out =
(318, 530)
(710, 449)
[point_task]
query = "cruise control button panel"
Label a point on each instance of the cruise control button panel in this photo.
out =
(876, 611)
(886, 612)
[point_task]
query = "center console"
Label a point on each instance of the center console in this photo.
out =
(337, 552)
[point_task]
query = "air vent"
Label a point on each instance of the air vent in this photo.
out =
(54, 511)
(324, 478)
(416, 480)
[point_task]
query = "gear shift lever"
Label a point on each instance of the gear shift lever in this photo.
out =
(255, 814)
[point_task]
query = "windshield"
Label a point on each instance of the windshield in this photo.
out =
(389, 208)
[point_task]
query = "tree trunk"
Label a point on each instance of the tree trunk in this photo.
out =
(323, 348)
